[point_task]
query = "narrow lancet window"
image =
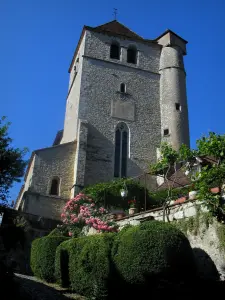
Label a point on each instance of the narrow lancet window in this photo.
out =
(121, 150)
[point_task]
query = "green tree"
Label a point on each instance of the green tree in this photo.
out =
(12, 164)
(211, 175)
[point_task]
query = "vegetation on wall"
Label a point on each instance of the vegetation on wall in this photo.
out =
(12, 162)
(198, 224)
(221, 236)
(211, 175)
(194, 224)
(161, 195)
(108, 194)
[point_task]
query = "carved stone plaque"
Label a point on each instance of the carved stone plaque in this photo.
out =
(122, 110)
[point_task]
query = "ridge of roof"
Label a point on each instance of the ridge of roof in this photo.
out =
(169, 30)
(117, 27)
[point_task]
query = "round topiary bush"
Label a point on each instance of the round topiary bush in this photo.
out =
(89, 264)
(43, 252)
(150, 252)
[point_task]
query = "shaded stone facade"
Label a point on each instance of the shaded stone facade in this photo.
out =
(154, 87)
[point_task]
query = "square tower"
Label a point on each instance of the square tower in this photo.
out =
(115, 87)
(126, 94)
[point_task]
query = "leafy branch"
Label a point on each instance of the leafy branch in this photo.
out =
(211, 174)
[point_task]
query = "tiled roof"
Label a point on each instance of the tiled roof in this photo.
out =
(116, 27)
(180, 179)
(176, 180)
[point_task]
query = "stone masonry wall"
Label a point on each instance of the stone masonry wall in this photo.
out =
(54, 161)
(73, 98)
(32, 226)
(98, 46)
(100, 92)
(43, 205)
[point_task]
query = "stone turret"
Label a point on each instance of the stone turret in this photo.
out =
(173, 98)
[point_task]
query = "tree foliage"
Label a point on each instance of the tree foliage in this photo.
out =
(211, 175)
(12, 164)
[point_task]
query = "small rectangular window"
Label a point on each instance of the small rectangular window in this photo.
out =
(178, 106)
(166, 132)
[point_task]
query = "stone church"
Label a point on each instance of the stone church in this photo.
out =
(126, 94)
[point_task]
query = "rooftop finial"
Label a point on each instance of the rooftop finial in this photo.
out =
(115, 13)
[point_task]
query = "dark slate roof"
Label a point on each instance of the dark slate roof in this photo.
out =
(176, 180)
(180, 179)
(58, 138)
(117, 28)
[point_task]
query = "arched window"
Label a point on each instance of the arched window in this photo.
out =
(54, 188)
(123, 88)
(121, 150)
(115, 50)
(132, 55)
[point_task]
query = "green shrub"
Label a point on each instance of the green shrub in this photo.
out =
(89, 264)
(56, 232)
(63, 230)
(108, 194)
(62, 264)
(43, 256)
(34, 257)
(160, 196)
(152, 250)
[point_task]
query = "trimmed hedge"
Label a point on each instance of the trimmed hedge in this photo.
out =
(129, 262)
(152, 250)
(62, 264)
(89, 264)
(43, 256)
(34, 261)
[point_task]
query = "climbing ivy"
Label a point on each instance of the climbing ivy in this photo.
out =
(221, 235)
(193, 224)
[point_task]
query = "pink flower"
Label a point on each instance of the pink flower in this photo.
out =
(70, 233)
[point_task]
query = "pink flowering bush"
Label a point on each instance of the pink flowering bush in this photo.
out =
(82, 211)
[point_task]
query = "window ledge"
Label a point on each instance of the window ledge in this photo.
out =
(124, 94)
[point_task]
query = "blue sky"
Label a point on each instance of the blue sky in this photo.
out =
(38, 38)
